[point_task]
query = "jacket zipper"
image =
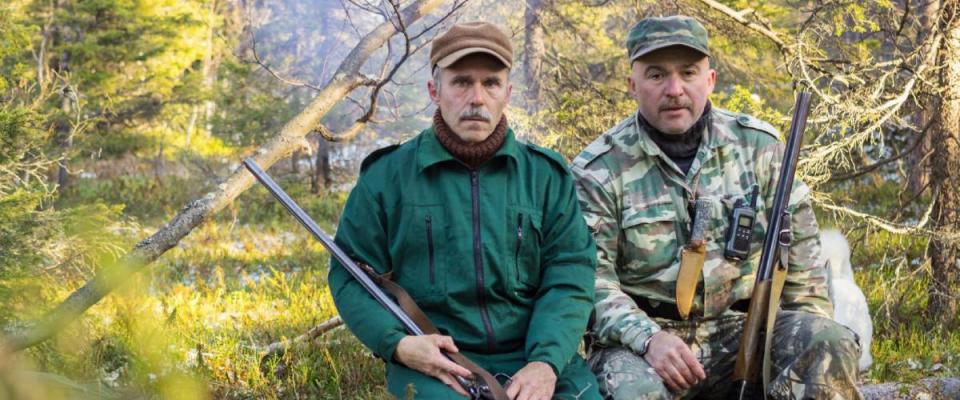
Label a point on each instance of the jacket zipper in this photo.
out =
(516, 257)
(430, 247)
(478, 259)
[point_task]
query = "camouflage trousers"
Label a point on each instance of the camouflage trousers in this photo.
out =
(813, 358)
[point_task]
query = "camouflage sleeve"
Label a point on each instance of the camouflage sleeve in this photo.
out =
(618, 319)
(806, 285)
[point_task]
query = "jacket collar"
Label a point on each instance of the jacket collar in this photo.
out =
(716, 135)
(430, 151)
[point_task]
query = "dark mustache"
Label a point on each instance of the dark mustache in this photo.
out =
(476, 113)
(676, 104)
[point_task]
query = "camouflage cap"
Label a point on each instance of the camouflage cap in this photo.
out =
(654, 33)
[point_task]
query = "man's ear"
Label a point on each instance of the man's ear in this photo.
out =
(631, 83)
(432, 91)
(712, 79)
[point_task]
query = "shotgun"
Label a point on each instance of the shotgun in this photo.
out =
(772, 269)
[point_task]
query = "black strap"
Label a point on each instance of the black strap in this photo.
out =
(666, 310)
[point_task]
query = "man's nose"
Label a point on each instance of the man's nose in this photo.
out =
(476, 94)
(674, 86)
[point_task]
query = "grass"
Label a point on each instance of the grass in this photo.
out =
(194, 324)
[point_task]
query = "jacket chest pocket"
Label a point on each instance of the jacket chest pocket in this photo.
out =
(649, 242)
(524, 239)
(420, 253)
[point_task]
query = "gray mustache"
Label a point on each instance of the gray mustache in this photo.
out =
(475, 113)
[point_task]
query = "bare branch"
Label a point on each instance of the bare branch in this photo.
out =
(258, 61)
(901, 229)
(873, 167)
(290, 138)
(740, 16)
(278, 349)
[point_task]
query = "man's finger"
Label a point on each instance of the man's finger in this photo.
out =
(679, 362)
(449, 380)
(531, 392)
(677, 378)
(446, 343)
(695, 367)
(453, 368)
(513, 388)
(667, 380)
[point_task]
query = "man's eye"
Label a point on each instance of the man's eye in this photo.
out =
(655, 76)
(491, 84)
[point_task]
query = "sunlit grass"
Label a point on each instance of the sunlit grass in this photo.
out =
(908, 343)
(195, 324)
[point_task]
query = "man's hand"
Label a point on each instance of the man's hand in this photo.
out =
(673, 361)
(422, 353)
(535, 381)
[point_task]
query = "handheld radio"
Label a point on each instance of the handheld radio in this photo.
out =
(737, 242)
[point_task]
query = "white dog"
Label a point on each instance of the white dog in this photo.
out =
(849, 303)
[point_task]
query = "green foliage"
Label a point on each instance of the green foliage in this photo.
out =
(22, 229)
(253, 109)
(24, 223)
(740, 99)
(14, 40)
(20, 136)
(144, 198)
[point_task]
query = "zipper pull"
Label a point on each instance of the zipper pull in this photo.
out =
(520, 227)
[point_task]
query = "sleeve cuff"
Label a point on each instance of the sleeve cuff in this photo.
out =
(388, 344)
(635, 343)
(557, 369)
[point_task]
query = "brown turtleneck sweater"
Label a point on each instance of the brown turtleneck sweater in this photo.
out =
(472, 154)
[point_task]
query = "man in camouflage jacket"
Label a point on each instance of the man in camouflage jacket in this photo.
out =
(636, 183)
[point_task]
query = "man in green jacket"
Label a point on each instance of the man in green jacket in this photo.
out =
(483, 231)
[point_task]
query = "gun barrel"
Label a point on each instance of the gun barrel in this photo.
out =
(781, 199)
(332, 247)
(751, 350)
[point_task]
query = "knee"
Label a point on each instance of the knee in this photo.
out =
(837, 340)
(405, 383)
(641, 389)
(624, 375)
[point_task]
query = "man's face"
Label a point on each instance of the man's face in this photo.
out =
(472, 94)
(671, 86)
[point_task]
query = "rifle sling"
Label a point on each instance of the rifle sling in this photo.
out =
(776, 289)
(406, 303)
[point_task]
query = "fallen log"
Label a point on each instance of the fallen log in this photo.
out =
(926, 389)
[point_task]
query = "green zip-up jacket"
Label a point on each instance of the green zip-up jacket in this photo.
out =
(499, 258)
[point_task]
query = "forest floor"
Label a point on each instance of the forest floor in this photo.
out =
(196, 322)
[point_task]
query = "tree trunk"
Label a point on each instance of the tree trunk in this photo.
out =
(290, 138)
(295, 162)
(533, 49)
(158, 165)
(945, 255)
(321, 167)
(65, 135)
(67, 104)
(919, 175)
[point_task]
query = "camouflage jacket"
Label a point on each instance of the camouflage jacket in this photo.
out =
(634, 199)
